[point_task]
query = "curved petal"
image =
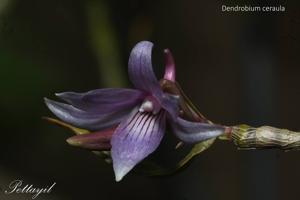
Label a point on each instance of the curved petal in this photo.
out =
(103, 100)
(142, 76)
(193, 132)
(140, 68)
(85, 119)
(136, 138)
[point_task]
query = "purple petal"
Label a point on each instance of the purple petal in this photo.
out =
(136, 138)
(140, 68)
(169, 66)
(193, 132)
(85, 119)
(142, 76)
(103, 100)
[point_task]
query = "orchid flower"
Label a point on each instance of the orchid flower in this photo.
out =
(131, 122)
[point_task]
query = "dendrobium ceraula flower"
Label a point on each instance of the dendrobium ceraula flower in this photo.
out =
(131, 122)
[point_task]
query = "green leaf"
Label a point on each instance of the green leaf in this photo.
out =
(197, 149)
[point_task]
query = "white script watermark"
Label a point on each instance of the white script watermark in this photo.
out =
(18, 187)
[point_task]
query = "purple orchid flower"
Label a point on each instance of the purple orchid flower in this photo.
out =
(139, 115)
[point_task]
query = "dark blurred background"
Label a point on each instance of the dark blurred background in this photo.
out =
(236, 67)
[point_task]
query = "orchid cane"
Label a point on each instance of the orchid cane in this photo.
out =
(131, 122)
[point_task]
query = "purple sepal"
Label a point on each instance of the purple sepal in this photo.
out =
(104, 100)
(193, 132)
(85, 119)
